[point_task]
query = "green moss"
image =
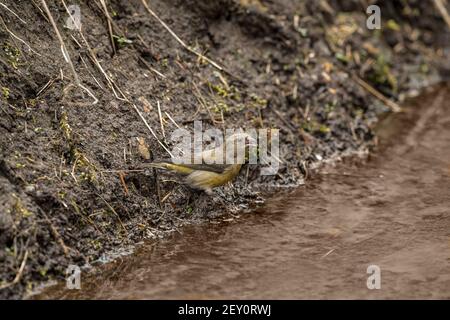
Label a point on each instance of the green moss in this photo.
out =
(324, 129)
(220, 107)
(382, 73)
(258, 101)
(341, 57)
(392, 25)
(221, 91)
(62, 194)
(65, 127)
(315, 127)
(10, 251)
(424, 68)
(303, 32)
(20, 165)
(330, 107)
(20, 209)
(88, 170)
(5, 93)
(13, 54)
(96, 244)
(43, 272)
(121, 41)
(165, 62)
(226, 92)
(32, 102)
(81, 162)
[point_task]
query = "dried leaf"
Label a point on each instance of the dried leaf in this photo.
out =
(143, 149)
(146, 106)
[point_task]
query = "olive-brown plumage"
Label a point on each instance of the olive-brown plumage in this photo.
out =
(209, 176)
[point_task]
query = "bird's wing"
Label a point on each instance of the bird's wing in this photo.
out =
(217, 168)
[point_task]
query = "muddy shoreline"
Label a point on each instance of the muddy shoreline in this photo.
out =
(316, 241)
(68, 192)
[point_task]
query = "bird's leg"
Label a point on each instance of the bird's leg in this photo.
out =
(221, 194)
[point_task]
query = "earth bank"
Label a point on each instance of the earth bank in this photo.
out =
(69, 192)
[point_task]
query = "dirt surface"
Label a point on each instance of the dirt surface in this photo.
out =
(316, 242)
(68, 192)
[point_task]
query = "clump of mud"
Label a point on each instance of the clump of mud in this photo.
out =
(71, 188)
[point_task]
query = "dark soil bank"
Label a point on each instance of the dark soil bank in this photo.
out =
(71, 185)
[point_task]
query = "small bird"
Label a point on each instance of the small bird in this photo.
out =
(206, 176)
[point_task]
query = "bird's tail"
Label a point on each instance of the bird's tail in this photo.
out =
(178, 168)
(158, 165)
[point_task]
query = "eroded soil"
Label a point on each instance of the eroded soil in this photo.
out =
(69, 192)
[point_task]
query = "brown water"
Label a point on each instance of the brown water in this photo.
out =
(318, 241)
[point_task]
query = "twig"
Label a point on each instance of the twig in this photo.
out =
(287, 123)
(327, 254)
(95, 79)
(89, 93)
(166, 196)
(61, 41)
(443, 11)
(46, 86)
(151, 130)
(246, 175)
(158, 187)
(151, 68)
(64, 51)
(122, 180)
(171, 119)
(3, 5)
(391, 104)
(40, 11)
(161, 120)
(110, 29)
(118, 171)
(56, 234)
(16, 37)
(114, 86)
(214, 64)
(19, 273)
(115, 213)
(202, 102)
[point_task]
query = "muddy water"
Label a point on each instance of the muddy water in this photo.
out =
(317, 242)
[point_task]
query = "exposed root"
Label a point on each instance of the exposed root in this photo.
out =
(19, 273)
